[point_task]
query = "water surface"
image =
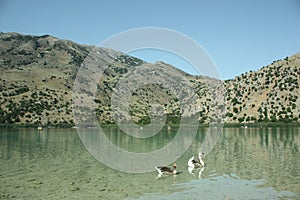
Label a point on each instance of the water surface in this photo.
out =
(253, 163)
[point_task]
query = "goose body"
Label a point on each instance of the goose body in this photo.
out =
(167, 170)
(193, 163)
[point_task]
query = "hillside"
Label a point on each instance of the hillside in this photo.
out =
(37, 75)
(269, 94)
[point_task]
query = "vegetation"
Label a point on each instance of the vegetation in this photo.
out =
(37, 75)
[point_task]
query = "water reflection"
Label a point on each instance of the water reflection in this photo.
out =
(260, 162)
(222, 187)
(31, 143)
(194, 171)
(271, 154)
(139, 145)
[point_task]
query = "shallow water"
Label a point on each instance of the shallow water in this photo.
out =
(252, 163)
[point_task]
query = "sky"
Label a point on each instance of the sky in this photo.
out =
(238, 35)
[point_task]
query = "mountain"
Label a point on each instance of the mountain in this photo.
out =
(269, 94)
(37, 74)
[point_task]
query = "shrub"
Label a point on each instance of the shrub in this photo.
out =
(235, 110)
(229, 114)
(273, 118)
(241, 119)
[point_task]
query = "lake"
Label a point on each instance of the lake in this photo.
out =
(245, 163)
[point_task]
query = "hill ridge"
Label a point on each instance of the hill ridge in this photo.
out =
(37, 75)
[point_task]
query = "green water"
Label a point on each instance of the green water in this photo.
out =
(253, 163)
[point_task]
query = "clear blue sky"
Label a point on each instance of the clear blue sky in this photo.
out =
(239, 35)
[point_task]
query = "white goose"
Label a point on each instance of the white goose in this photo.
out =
(192, 163)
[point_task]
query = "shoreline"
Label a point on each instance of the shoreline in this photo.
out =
(225, 125)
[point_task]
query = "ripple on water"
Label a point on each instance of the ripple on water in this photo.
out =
(223, 187)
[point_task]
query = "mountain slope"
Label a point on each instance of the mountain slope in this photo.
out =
(269, 94)
(37, 75)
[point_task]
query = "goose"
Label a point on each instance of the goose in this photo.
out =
(196, 163)
(167, 170)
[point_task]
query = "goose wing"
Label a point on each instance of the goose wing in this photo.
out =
(161, 169)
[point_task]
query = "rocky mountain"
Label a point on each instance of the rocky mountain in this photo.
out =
(37, 74)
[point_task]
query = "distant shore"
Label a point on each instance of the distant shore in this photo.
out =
(241, 125)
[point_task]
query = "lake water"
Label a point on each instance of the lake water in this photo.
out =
(252, 163)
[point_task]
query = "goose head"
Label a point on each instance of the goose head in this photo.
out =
(200, 159)
(174, 168)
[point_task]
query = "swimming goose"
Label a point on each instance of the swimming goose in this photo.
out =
(196, 163)
(167, 170)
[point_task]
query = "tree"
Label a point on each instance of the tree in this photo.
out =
(235, 110)
(241, 119)
(229, 114)
(273, 118)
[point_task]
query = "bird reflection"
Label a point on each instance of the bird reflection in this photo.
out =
(193, 171)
